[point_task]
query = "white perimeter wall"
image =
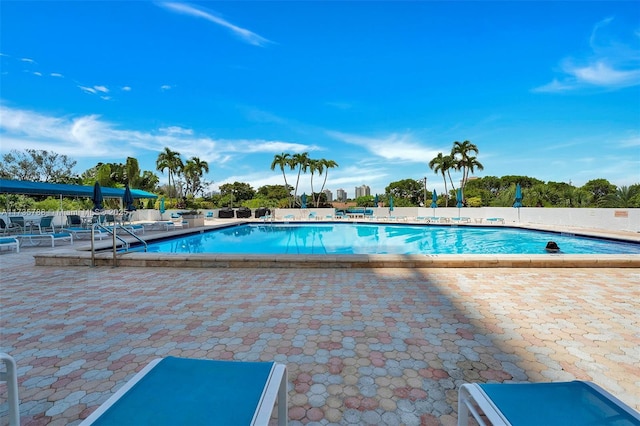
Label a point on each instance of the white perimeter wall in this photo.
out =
(606, 219)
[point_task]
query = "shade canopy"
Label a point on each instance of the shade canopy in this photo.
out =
(434, 199)
(459, 202)
(390, 203)
(303, 201)
(44, 188)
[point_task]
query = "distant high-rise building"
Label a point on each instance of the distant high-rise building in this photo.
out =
(362, 191)
(329, 195)
(341, 195)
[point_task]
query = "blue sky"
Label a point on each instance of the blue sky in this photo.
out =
(545, 89)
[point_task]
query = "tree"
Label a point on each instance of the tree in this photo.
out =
(302, 162)
(442, 164)
(406, 189)
(315, 166)
(624, 197)
(38, 166)
(132, 172)
(600, 189)
(239, 191)
(170, 161)
(284, 160)
(275, 192)
(194, 169)
(328, 164)
(465, 162)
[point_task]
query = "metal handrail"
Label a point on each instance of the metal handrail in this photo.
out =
(112, 231)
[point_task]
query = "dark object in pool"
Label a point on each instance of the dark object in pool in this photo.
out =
(262, 212)
(552, 247)
(243, 212)
(225, 213)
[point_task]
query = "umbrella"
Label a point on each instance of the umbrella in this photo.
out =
(375, 201)
(390, 203)
(162, 210)
(434, 202)
(459, 200)
(303, 201)
(127, 199)
(518, 201)
(97, 197)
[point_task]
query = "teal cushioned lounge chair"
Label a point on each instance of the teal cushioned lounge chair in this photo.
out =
(549, 404)
(181, 391)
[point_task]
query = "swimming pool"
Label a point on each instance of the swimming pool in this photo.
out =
(354, 238)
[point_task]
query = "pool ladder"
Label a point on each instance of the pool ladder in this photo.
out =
(112, 230)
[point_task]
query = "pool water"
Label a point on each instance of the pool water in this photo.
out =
(354, 238)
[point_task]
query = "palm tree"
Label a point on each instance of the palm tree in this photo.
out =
(302, 162)
(471, 166)
(171, 161)
(464, 149)
(193, 171)
(328, 164)
(442, 164)
(315, 166)
(282, 160)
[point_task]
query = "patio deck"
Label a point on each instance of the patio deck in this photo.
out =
(363, 346)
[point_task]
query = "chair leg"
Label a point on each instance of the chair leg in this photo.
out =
(11, 377)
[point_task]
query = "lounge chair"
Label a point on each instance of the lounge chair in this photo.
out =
(10, 242)
(79, 232)
(67, 236)
(8, 228)
(181, 391)
(10, 376)
(495, 219)
(289, 217)
(74, 221)
(209, 215)
(46, 225)
(17, 223)
(159, 225)
(461, 219)
(560, 403)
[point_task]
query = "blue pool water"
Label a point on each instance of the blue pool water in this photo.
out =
(355, 238)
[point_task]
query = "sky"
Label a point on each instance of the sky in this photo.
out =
(549, 89)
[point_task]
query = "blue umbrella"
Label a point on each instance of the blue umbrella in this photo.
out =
(303, 201)
(390, 203)
(162, 210)
(459, 200)
(375, 201)
(518, 201)
(127, 199)
(434, 202)
(97, 197)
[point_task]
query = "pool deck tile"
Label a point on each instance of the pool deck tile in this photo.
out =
(362, 345)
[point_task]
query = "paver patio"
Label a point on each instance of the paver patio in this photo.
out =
(367, 346)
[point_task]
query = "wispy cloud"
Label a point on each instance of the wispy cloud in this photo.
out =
(390, 147)
(96, 90)
(28, 60)
(165, 87)
(126, 89)
(611, 64)
(244, 34)
(175, 130)
(90, 136)
(56, 74)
